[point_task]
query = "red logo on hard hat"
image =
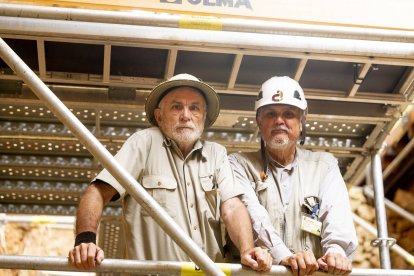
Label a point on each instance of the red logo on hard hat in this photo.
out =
(278, 97)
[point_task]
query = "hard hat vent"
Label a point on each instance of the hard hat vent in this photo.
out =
(297, 95)
(260, 95)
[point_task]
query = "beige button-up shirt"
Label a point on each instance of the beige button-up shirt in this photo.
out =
(191, 190)
(275, 204)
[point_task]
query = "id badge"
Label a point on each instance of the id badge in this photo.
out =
(310, 225)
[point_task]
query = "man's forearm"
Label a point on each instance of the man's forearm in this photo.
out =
(91, 206)
(238, 223)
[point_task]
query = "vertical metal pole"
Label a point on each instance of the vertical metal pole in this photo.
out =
(376, 174)
(107, 160)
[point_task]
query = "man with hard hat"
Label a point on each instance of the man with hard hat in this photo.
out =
(297, 199)
(190, 178)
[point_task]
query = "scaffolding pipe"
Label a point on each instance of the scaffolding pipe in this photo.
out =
(394, 207)
(395, 248)
(224, 24)
(397, 160)
(162, 268)
(107, 160)
(380, 215)
(182, 37)
(37, 219)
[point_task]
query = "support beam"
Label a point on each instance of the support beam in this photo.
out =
(170, 64)
(360, 165)
(328, 56)
(146, 84)
(300, 69)
(380, 215)
(360, 76)
(107, 64)
(397, 160)
(228, 24)
(224, 113)
(234, 71)
(352, 168)
(182, 37)
(41, 58)
(407, 89)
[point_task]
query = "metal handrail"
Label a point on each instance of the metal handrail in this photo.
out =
(396, 248)
(161, 268)
(130, 184)
(392, 206)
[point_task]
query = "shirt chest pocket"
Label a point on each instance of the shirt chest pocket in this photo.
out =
(261, 189)
(211, 204)
(268, 197)
(164, 190)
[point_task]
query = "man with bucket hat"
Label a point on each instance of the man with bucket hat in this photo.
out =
(190, 178)
(296, 198)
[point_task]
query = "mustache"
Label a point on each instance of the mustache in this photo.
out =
(281, 127)
(187, 125)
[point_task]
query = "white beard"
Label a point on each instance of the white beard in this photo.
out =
(278, 144)
(187, 136)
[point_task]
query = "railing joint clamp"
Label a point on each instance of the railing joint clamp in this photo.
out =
(387, 242)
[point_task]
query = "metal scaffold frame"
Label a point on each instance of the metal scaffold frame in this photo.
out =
(394, 47)
(162, 268)
(108, 161)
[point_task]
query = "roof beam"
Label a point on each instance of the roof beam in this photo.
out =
(228, 24)
(107, 64)
(360, 76)
(170, 64)
(300, 68)
(146, 84)
(407, 88)
(234, 71)
(202, 38)
(225, 50)
(41, 58)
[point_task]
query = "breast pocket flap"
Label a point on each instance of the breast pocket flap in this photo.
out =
(158, 182)
(207, 183)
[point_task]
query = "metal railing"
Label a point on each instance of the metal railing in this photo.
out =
(396, 248)
(392, 206)
(161, 268)
(137, 192)
(227, 39)
(107, 160)
(224, 24)
(383, 242)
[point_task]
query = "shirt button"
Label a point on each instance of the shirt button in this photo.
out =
(188, 183)
(191, 205)
(195, 227)
(159, 183)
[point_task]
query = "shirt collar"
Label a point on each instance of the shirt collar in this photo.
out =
(288, 167)
(198, 146)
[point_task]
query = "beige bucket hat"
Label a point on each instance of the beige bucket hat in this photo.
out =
(213, 103)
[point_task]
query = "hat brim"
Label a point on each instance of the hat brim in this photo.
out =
(213, 103)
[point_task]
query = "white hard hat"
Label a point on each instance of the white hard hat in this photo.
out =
(281, 90)
(210, 95)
